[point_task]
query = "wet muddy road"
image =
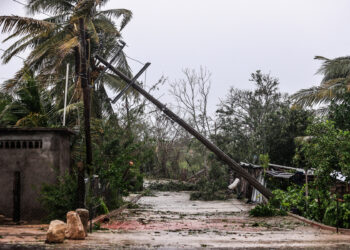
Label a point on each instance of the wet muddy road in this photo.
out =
(170, 220)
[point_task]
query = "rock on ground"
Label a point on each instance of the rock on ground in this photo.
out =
(56, 232)
(84, 217)
(75, 229)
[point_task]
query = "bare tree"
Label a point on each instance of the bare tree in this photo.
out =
(192, 94)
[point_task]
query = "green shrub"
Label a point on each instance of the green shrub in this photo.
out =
(58, 199)
(213, 187)
(341, 217)
(102, 207)
(291, 200)
(320, 205)
(266, 210)
(117, 162)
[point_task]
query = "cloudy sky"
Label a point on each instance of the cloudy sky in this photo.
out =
(232, 38)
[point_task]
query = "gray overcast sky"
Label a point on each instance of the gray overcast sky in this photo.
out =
(232, 38)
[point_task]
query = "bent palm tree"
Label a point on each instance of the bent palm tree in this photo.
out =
(334, 85)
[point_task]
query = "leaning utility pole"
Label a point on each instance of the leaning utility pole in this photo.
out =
(86, 97)
(212, 147)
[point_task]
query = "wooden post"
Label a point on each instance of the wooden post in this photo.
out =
(212, 147)
(86, 96)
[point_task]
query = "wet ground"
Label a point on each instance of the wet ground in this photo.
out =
(170, 220)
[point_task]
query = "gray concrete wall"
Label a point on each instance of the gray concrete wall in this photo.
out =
(36, 166)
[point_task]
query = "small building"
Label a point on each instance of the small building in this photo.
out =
(246, 189)
(30, 157)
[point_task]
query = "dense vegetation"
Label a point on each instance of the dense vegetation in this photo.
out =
(131, 140)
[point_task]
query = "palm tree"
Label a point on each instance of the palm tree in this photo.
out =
(333, 87)
(72, 35)
(55, 41)
(29, 106)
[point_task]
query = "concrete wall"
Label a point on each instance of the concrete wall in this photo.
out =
(36, 166)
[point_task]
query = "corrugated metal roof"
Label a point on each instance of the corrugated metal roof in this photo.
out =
(280, 174)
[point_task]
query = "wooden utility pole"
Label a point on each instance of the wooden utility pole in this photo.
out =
(87, 109)
(212, 147)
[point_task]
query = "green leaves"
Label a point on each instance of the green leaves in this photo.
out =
(54, 40)
(29, 106)
(24, 25)
(260, 121)
(117, 13)
(327, 151)
(59, 198)
(335, 83)
(266, 210)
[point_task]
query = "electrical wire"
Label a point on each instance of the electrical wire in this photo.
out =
(135, 60)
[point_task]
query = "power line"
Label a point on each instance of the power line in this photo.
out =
(135, 60)
(138, 61)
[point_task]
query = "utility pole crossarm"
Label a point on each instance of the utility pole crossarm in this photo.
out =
(131, 83)
(212, 147)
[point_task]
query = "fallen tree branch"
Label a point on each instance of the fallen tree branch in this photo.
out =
(115, 212)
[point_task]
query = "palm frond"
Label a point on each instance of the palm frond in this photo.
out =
(105, 25)
(317, 95)
(84, 8)
(113, 82)
(72, 107)
(92, 31)
(16, 48)
(334, 68)
(24, 25)
(117, 13)
(59, 19)
(335, 83)
(13, 84)
(49, 6)
(68, 46)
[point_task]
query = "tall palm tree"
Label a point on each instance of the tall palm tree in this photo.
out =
(55, 41)
(62, 38)
(334, 85)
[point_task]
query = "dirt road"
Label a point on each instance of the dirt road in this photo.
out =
(171, 220)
